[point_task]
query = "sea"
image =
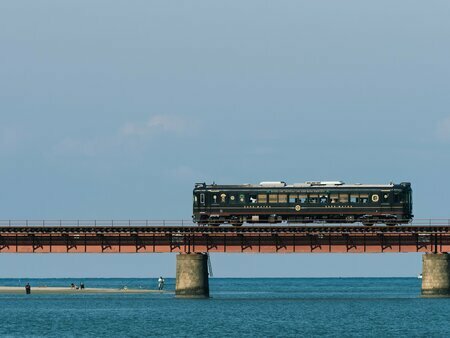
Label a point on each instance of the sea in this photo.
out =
(238, 307)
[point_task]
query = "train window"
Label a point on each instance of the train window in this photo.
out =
(354, 198)
(215, 199)
(202, 198)
(253, 199)
(241, 198)
(292, 198)
(273, 198)
(302, 198)
(313, 198)
(343, 198)
(282, 198)
(223, 198)
(323, 199)
(363, 198)
(334, 198)
(262, 198)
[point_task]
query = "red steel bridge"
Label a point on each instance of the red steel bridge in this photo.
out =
(82, 236)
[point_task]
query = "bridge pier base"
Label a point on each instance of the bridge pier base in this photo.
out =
(436, 274)
(192, 276)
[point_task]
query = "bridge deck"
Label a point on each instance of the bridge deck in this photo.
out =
(225, 239)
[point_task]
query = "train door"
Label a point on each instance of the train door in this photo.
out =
(202, 201)
(410, 205)
(386, 203)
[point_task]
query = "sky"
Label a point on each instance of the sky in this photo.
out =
(113, 110)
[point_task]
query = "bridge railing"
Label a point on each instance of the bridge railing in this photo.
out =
(141, 223)
(94, 223)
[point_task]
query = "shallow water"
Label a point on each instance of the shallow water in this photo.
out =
(238, 307)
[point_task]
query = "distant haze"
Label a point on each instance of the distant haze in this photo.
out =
(113, 110)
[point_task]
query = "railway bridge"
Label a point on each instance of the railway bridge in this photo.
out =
(193, 243)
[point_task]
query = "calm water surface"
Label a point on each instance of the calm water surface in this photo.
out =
(239, 307)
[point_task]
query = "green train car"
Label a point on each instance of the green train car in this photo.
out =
(327, 202)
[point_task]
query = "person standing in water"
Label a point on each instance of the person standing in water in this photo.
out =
(28, 289)
(160, 283)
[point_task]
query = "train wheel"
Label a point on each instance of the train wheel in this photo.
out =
(203, 221)
(235, 221)
(214, 222)
(391, 223)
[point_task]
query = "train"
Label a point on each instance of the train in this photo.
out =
(309, 202)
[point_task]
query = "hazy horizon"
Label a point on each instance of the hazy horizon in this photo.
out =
(115, 110)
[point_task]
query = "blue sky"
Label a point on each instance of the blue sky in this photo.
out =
(114, 110)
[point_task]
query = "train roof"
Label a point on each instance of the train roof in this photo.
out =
(308, 184)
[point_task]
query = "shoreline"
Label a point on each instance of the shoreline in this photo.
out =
(69, 290)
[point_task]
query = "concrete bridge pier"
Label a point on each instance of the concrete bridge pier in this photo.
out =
(436, 274)
(192, 276)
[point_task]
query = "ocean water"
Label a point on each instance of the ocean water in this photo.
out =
(262, 307)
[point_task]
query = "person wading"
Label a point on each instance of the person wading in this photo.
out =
(160, 283)
(28, 288)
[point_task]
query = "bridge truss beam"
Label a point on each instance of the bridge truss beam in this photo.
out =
(225, 239)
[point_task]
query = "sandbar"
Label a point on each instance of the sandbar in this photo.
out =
(69, 290)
